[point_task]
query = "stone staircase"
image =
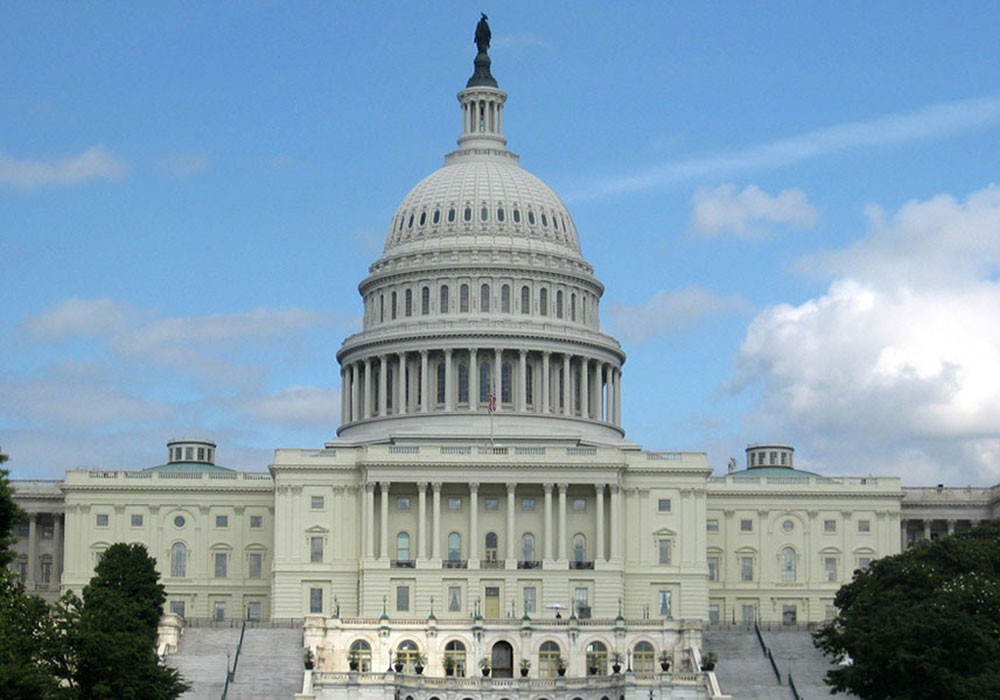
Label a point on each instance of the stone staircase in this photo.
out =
(794, 652)
(270, 665)
(743, 671)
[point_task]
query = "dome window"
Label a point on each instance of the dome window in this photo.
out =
(437, 216)
(505, 299)
(468, 214)
(545, 220)
(531, 217)
(555, 224)
(451, 215)
(463, 298)
(410, 224)
(425, 301)
(423, 218)
(543, 302)
(500, 214)
(484, 214)
(517, 216)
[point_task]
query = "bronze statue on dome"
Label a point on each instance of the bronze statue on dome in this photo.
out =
(483, 34)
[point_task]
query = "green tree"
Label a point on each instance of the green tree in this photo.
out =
(922, 624)
(32, 658)
(114, 642)
(10, 515)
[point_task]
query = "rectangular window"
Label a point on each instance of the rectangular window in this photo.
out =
(316, 502)
(22, 529)
(713, 568)
(864, 526)
(713, 613)
(579, 504)
(529, 599)
(316, 601)
(789, 615)
(712, 525)
(201, 454)
(864, 563)
(746, 568)
(664, 603)
(491, 503)
(48, 531)
(829, 526)
(830, 567)
(102, 520)
(222, 521)
(220, 564)
(454, 598)
(403, 503)
(136, 520)
(402, 598)
(253, 610)
(527, 504)
(581, 596)
(747, 613)
(256, 564)
(746, 525)
(315, 549)
(454, 503)
(177, 607)
(220, 610)
(256, 521)
(46, 572)
(663, 505)
(664, 551)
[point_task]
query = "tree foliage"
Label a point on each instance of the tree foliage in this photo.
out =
(924, 624)
(10, 515)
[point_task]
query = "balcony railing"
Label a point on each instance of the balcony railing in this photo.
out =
(529, 565)
(581, 565)
(404, 564)
(455, 564)
(492, 564)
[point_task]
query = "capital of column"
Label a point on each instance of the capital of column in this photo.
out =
(548, 488)
(384, 486)
(436, 486)
(473, 486)
(522, 352)
(423, 354)
(599, 489)
(613, 488)
(546, 353)
(370, 486)
(563, 487)
(422, 485)
(511, 486)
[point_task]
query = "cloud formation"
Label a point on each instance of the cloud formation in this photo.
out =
(899, 360)
(746, 213)
(930, 122)
(96, 163)
(667, 311)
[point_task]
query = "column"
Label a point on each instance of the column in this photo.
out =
(383, 381)
(902, 534)
(562, 520)
(384, 546)
(546, 386)
(618, 396)
(498, 377)
(511, 552)
(927, 530)
(345, 396)
(401, 385)
(566, 386)
(611, 394)
(422, 518)
(32, 552)
(424, 383)
(584, 388)
(370, 519)
(355, 392)
(368, 388)
(449, 386)
(602, 383)
(436, 521)
(522, 379)
(473, 381)
(615, 525)
(57, 560)
(595, 391)
(473, 521)
(548, 520)
(951, 527)
(599, 550)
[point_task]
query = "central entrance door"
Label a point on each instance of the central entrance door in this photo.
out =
(502, 661)
(491, 609)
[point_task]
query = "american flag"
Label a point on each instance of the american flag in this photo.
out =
(493, 399)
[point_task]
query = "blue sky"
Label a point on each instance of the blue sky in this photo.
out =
(793, 207)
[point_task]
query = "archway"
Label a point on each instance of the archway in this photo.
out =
(502, 660)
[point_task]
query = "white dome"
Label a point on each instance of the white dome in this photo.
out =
(482, 201)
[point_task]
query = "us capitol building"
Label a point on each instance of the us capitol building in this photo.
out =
(480, 499)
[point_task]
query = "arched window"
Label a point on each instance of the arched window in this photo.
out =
(528, 547)
(505, 298)
(505, 382)
(572, 307)
(361, 652)
(393, 306)
(425, 301)
(643, 658)
(525, 300)
(381, 308)
(491, 546)
(178, 560)
(440, 383)
(529, 387)
(543, 302)
(484, 382)
(454, 658)
(467, 214)
(579, 548)
(559, 296)
(463, 298)
(463, 382)
(788, 564)
(597, 659)
(443, 305)
(484, 214)
(406, 654)
(402, 547)
(454, 547)
(408, 304)
(500, 214)
(451, 215)
(548, 660)
(484, 299)
(517, 216)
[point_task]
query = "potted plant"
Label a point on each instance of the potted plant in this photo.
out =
(353, 659)
(484, 665)
(525, 666)
(665, 659)
(708, 661)
(308, 660)
(560, 666)
(449, 666)
(419, 662)
(397, 664)
(616, 661)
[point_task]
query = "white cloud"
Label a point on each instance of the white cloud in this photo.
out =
(667, 311)
(96, 163)
(81, 317)
(184, 164)
(930, 122)
(898, 362)
(723, 208)
(296, 406)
